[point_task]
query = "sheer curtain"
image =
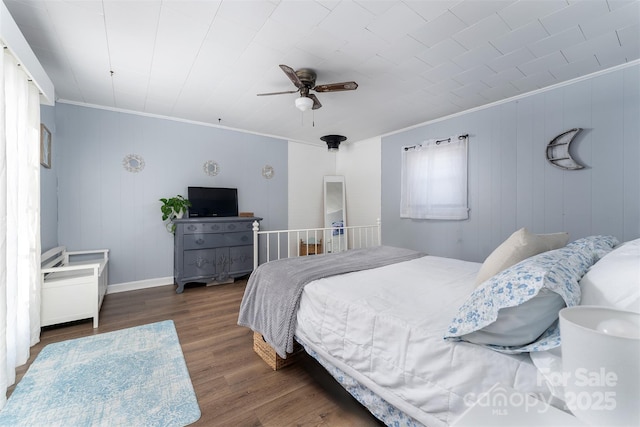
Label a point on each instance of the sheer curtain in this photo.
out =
(19, 218)
(434, 180)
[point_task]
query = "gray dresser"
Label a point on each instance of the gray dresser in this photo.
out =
(212, 250)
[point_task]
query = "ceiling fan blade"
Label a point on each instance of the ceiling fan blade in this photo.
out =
(277, 93)
(336, 87)
(316, 102)
(291, 73)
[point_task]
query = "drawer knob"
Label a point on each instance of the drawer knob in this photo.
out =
(191, 227)
(200, 241)
(232, 226)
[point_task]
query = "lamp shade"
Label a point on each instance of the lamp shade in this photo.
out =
(333, 141)
(303, 103)
(601, 364)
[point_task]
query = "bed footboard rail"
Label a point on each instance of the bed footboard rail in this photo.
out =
(271, 245)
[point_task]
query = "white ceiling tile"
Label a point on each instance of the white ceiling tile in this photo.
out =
(524, 11)
(473, 75)
(374, 65)
(411, 68)
(432, 9)
(499, 79)
(619, 18)
(363, 46)
(347, 19)
(225, 42)
(395, 23)
(534, 81)
(474, 11)
(620, 55)
(402, 50)
(470, 89)
(574, 14)
(377, 7)
(616, 4)
(557, 41)
(540, 65)
(503, 91)
(442, 87)
(629, 36)
(522, 36)
(236, 11)
(278, 37)
(438, 29)
(443, 71)
(591, 47)
(197, 10)
(489, 28)
(511, 60)
(478, 56)
(321, 43)
(299, 16)
(445, 50)
(129, 101)
(575, 69)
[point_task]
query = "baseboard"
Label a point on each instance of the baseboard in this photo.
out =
(140, 284)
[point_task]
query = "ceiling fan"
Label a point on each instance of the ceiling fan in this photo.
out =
(305, 80)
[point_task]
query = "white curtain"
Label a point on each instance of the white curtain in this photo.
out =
(434, 180)
(19, 218)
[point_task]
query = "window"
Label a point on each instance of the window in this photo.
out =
(434, 180)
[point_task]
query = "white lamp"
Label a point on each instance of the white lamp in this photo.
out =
(303, 103)
(601, 364)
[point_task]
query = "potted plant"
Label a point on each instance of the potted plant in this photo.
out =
(172, 208)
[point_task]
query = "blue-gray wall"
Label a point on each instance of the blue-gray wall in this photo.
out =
(511, 184)
(101, 205)
(49, 188)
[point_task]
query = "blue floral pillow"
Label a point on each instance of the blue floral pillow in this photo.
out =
(504, 303)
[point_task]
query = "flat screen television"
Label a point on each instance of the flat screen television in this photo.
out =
(213, 201)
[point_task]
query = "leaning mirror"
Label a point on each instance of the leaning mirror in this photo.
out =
(335, 216)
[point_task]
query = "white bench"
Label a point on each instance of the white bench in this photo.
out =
(73, 285)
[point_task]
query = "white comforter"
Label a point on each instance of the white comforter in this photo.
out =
(384, 328)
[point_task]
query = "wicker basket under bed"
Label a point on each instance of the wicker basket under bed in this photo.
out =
(270, 356)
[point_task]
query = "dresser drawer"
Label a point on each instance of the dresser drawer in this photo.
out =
(217, 227)
(203, 241)
(238, 239)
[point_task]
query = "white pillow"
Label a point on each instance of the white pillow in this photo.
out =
(614, 281)
(519, 246)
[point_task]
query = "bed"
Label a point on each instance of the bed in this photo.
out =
(412, 339)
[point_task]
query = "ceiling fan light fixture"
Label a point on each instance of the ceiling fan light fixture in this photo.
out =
(333, 141)
(303, 103)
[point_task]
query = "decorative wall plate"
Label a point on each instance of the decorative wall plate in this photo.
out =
(268, 172)
(133, 163)
(211, 168)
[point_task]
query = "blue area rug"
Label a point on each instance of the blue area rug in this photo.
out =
(132, 377)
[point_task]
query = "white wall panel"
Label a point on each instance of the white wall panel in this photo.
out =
(359, 163)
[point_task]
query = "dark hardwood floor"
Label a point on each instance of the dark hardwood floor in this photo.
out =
(233, 385)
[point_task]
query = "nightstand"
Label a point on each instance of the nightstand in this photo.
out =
(504, 406)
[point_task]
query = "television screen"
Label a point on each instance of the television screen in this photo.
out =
(213, 201)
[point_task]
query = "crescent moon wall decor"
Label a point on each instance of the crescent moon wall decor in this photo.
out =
(559, 153)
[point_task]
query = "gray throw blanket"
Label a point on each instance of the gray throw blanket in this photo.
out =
(272, 295)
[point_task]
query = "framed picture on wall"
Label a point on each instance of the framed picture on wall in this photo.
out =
(45, 146)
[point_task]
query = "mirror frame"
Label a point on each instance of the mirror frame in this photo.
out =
(330, 180)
